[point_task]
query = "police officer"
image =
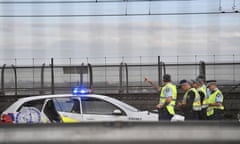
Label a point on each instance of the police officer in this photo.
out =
(202, 90)
(215, 102)
(203, 83)
(168, 96)
(191, 103)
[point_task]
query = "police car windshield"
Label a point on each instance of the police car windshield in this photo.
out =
(124, 105)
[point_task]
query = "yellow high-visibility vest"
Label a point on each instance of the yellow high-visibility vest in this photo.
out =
(171, 105)
(197, 101)
(212, 100)
(203, 89)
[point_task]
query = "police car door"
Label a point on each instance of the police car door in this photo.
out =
(95, 109)
(69, 109)
(49, 112)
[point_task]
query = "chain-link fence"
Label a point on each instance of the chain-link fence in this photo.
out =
(113, 75)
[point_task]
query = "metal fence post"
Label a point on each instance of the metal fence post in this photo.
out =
(42, 79)
(126, 66)
(202, 70)
(52, 76)
(70, 75)
(214, 67)
(159, 71)
(33, 71)
(15, 78)
(234, 79)
(105, 63)
(90, 77)
(120, 78)
(164, 68)
(196, 66)
(178, 68)
(81, 76)
(141, 71)
(2, 79)
(121, 90)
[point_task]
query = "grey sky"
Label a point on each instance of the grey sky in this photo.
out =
(120, 36)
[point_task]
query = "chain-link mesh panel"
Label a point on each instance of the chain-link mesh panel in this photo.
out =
(9, 81)
(28, 81)
(106, 79)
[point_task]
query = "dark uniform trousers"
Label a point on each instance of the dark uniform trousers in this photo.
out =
(203, 115)
(218, 115)
(164, 114)
(193, 115)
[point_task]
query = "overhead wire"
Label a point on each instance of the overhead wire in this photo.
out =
(122, 14)
(79, 1)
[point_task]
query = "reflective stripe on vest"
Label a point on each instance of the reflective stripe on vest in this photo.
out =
(203, 89)
(171, 105)
(212, 100)
(197, 100)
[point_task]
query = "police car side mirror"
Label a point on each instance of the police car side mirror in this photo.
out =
(117, 112)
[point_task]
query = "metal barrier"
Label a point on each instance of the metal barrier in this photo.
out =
(134, 133)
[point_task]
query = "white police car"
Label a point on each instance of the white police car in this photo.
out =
(77, 107)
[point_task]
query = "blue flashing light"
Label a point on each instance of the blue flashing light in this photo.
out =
(75, 91)
(83, 91)
(79, 91)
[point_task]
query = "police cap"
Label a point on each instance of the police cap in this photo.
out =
(167, 78)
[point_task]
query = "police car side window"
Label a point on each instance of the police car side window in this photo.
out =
(35, 103)
(97, 106)
(67, 105)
